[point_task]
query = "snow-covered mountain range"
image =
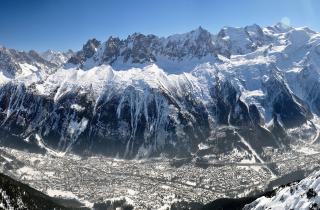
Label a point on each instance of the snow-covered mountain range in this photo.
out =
(236, 92)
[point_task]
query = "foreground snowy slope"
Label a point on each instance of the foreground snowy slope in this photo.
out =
(303, 195)
(16, 195)
(236, 93)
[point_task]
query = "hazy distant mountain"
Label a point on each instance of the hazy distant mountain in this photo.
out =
(58, 58)
(234, 93)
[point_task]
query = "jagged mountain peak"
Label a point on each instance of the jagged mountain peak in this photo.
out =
(90, 47)
(137, 36)
(91, 43)
(173, 51)
(280, 27)
(87, 51)
(191, 35)
(199, 31)
(141, 50)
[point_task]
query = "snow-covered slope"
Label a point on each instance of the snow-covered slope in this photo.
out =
(303, 195)
(23, 66)
(196, 93)
(16, 195)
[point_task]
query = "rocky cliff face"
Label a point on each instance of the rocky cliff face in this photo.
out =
(236, 92)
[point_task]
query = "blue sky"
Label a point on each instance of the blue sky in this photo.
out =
(67, 24)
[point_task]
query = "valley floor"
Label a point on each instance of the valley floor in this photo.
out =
(154, 183)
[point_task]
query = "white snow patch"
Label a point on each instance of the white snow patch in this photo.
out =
(77, 107)
(203, 146)
(132, 192)
(307, 150)
(61, 193)
(28, 172)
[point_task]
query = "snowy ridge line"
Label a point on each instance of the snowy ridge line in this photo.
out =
(303, 195)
